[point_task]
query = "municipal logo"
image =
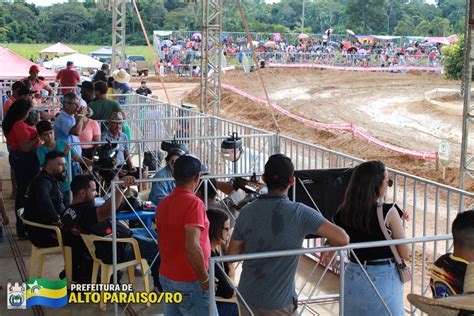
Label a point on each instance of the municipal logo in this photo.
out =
(16, 296)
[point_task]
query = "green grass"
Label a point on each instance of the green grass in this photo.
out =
(26, 50)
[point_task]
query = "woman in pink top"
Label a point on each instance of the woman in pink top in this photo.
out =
(23, 140)
(90, 133)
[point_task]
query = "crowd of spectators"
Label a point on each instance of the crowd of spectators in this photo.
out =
(189, 234)
(181, 55)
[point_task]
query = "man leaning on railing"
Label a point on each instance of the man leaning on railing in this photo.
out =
(271, 223)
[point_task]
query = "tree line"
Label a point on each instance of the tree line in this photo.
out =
(89, 22)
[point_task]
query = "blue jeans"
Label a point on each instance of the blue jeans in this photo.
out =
(148, 250)
(357, 289)
(195, 300)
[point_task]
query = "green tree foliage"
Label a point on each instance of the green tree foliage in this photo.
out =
(89, 21)
(453, 60)
(366, 16)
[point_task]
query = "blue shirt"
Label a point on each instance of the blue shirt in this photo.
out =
(107, 137)
(159, 190)
(62, 130)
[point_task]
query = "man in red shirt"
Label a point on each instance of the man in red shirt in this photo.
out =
(183, 230)
(69, 78)
(37, 85)
(15, 90)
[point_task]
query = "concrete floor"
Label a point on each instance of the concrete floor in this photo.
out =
(15, 255)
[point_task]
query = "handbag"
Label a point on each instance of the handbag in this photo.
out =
(404, 271)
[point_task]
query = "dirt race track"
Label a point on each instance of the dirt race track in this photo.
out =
(410, 110)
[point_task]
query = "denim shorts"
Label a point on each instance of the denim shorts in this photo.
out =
(360, 297)
(195, 300)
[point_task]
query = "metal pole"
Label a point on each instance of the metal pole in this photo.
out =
(114, 239)
(341, 282)
(467, 75)
(212, 294)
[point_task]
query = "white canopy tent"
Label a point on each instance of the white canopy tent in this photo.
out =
(79, 60)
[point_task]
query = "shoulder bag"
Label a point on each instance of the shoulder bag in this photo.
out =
(403, 270)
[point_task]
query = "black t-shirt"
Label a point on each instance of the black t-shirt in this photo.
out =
(224, 288)
(83, 216)
(44, 203)
(142, 91)
(358, 234)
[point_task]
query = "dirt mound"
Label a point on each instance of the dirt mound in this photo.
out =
(337, 97)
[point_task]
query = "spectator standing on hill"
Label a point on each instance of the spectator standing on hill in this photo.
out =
(69, 78)
(271, 223)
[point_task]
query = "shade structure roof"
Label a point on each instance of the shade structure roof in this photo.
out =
(104, 51)
(79, 60)
(58, 48)
(15, 67)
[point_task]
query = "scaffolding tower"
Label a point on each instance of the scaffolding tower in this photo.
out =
(211, 56)
(118, 32)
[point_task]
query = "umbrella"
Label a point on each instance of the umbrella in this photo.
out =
(224, 37)
(303, 36)
(269, 44)
(196, 36)
(276, 37)
(166, 43)
(290, 47)
(351, 32)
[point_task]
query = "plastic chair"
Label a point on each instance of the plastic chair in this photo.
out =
(38, 254)
(233, 300)
(107, 269)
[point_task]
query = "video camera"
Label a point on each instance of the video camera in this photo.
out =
(105, 159)
(173, 144)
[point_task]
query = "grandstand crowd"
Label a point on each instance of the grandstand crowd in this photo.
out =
(186, 233)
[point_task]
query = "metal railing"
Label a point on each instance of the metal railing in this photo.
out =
(341, 252)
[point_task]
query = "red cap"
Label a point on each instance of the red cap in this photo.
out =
(34, 68)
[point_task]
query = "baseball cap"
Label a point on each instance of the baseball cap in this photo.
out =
(34, 68)
(278, 169)
(187, 167)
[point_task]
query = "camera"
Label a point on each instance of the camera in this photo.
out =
(105, 159)
(173, 144)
